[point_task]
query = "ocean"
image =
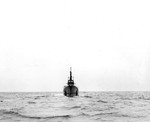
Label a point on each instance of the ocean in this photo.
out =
(87, 107)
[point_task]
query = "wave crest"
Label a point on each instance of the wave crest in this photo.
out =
(15, 113)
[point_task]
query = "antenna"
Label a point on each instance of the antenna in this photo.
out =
(70, 74)
(70, 69)
(70, 80)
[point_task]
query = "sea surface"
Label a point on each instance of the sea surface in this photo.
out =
(87, 107)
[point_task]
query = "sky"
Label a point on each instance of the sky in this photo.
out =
(107, 44)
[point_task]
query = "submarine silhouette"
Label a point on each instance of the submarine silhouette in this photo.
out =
(70, 90)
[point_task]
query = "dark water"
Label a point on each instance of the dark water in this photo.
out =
(88, 107)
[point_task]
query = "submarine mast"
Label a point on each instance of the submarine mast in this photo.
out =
(70, 79)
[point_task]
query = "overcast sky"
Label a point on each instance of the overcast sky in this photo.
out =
(106, 42)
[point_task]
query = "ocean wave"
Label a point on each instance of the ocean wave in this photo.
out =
(117, 114)
(84, 114)
(102, 101)
(17, 114)
(129, 115)
(109, 113)
(122, 107)
(31, 102)
(73, 107)
(46, 117)
(39, 97)
(88, 96)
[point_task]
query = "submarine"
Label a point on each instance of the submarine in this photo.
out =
(70, 90)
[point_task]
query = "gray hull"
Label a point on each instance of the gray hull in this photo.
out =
(71, 91)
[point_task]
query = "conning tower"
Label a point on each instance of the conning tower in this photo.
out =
(70, 90)
(70, 79)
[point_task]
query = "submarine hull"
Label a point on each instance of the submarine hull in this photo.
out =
(71, 91)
